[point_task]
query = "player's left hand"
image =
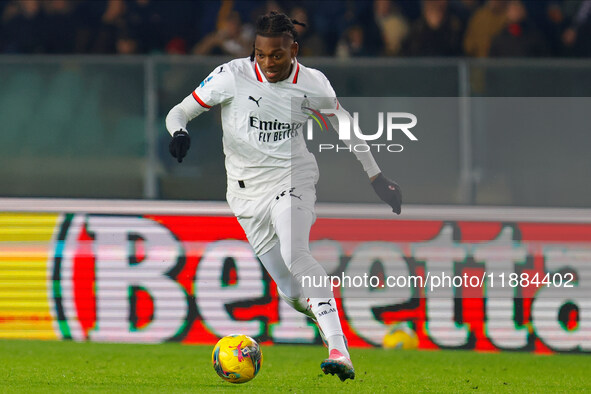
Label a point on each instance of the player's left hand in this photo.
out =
(389, 191)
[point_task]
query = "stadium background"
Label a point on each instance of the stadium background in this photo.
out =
(104, 237)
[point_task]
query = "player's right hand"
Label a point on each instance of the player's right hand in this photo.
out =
(179, 145)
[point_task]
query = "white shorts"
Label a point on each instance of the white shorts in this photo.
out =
(257, 217)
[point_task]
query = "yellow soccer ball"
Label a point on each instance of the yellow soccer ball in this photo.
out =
(237, 358)
(400, 336)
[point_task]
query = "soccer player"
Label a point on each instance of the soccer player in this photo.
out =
(271, 174)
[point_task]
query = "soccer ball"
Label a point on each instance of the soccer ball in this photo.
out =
(237, 358)
(400, 336)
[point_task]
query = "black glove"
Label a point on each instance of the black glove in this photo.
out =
(389, 192)
(179, 145)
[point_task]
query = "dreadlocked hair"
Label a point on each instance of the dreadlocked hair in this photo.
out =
(276, 24)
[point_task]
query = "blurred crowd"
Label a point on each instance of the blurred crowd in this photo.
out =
(342, 28)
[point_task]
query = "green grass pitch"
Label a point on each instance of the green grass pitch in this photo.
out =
(35, 366)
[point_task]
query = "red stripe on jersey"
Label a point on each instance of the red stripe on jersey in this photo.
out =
(331, 115)
(295, 77)
(201, 103)
(256, 70)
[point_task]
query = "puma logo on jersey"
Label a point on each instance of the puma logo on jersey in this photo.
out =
(256, 101)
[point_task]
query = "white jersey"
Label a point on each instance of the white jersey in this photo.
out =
(263, 123)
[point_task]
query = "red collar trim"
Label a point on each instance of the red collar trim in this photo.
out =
(258, 74)
(295, 77)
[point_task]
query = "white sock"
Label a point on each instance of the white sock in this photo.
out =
(338, 342)
(327, 316)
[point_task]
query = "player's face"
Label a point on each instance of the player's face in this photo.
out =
(274, 56)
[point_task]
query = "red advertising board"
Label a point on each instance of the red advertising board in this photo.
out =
(461, 284)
